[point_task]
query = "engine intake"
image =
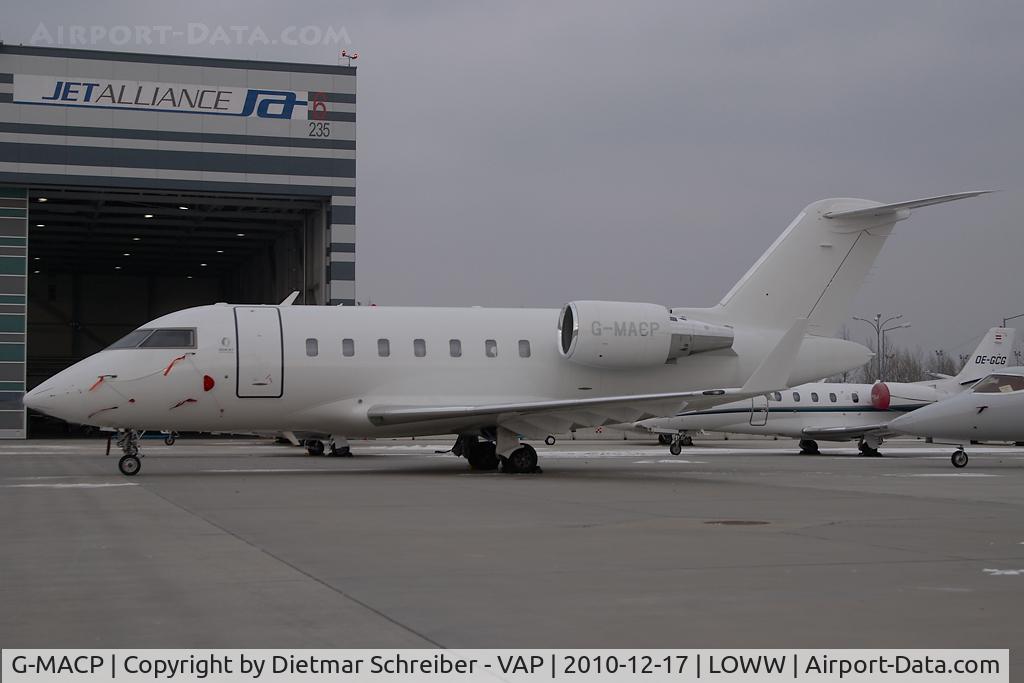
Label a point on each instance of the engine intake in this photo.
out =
(617, 334)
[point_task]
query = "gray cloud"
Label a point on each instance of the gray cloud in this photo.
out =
(529, 153)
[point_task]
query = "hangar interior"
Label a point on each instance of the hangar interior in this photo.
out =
(102, 260)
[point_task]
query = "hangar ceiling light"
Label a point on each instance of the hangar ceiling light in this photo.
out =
(88, 229)
(183, 208)
(40, 225)
(42, 199)
(148, 215)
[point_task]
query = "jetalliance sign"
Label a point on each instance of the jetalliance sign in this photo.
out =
(163, 97)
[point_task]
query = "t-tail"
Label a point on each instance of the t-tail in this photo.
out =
(814, 268)
(993, 353)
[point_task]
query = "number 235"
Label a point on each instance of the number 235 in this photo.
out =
(319, 129)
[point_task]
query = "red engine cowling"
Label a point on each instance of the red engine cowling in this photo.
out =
(881, 398)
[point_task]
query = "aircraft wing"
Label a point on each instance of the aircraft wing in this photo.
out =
(853, 432)
(560, 415)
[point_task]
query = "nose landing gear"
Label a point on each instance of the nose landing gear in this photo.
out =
(128, 442)
(959, 458)
(676, 443)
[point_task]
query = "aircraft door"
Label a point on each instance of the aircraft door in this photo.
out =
(260, 370)
(759, 411)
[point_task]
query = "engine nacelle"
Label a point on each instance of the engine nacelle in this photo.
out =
(886, 394)
(618, 334)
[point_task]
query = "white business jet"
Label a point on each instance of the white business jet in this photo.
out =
(489, 375)
(832, 411)
(992, 410)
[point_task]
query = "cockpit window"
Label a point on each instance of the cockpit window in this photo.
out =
(131, 340)
(999, 384)
(163, 338)
(170, 338)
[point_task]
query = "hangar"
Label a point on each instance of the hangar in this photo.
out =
(132, 185)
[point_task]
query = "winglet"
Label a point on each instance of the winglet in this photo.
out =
(774, 371)
(291, 299)
(884, 209)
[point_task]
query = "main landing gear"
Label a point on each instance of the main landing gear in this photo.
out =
(481, 455)
(677, 442)
(809, 447)
(522, 460)
(128, 442)
(506, 452)
(959, 458)
(869, 446)
(337, 447)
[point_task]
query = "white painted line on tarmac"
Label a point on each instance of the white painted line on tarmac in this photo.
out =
(671, 460)
(265, 470)
(946, 474)
(66, 486)
(1004, 572)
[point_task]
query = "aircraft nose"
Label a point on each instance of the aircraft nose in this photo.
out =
(40, 398)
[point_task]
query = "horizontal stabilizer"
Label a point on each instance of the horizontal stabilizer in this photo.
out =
(885, 209)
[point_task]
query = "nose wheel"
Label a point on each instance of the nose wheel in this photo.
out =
(129, 465)
(128, 441)
(675, 446)
(959, 458)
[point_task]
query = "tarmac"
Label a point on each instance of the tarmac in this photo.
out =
(732, 544)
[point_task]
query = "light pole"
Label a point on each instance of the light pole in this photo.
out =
(877, 323)
(881, 372)
(1012, 317)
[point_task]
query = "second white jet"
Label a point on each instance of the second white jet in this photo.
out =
(833, 411)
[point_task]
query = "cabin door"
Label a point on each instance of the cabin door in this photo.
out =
(759, 411)
(260, 358)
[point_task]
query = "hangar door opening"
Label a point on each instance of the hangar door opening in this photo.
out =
(101, 262)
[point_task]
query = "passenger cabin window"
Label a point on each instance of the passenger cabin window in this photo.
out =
(419, 348)
(455, 348)
(796, 396)
(814, 396)
(383, 348)
(524, 348)
(312, 347)
(832, 397)
(855, 397)
(491, 348)
(775, 396)
(999, 384)
(166, 338)
(348, 347)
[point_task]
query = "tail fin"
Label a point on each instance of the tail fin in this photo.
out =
(816, 265)
(994, 352)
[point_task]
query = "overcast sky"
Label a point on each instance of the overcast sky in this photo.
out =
(530, 153)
